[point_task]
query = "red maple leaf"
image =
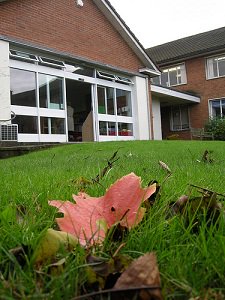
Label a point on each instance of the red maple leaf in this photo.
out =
(87, 216)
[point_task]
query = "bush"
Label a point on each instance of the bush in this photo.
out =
(217, 127)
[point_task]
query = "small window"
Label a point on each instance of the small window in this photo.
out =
(172, 76)
(217, 108)
(179, 118)
(22, 55)
(52, 62)
(215, 67)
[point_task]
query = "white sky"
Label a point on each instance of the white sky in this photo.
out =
(156, 22)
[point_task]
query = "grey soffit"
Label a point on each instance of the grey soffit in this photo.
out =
(191, 46)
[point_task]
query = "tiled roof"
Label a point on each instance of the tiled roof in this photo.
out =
(191, 46)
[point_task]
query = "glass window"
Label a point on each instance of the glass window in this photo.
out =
(172, 76)
(125, 129)
(217, 108)
(110, 101)
(23, 87)
(112, 128)
(26, 124)
(215, 67)
(107, 128)
(123, 100)
(52, 125)
(101, 100)
(102, 128)
(179, 118)
(50, 91)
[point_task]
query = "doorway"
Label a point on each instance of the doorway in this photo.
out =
(79, 111)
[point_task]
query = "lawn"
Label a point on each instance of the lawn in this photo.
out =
(191, 262)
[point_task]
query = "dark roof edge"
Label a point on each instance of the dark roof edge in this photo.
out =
(177, 59)
(23, 43)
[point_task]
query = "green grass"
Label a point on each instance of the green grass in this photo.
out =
(190, 264)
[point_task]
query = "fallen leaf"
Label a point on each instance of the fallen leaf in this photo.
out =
(50, 244)
(143, 272)
(121, 203)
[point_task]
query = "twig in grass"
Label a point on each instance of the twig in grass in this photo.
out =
(114, 291)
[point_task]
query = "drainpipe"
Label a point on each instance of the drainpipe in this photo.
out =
(149, 103)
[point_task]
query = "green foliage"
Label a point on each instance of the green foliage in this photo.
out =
(217, 127)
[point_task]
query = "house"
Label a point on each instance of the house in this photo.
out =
(195, 66)
(71, 71)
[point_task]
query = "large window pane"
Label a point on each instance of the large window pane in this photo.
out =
(26, 124)
(111, 128)
(50, 91)
(123, 99)
(164, 78)
(179, 118)
(22, 87)
(102, 128)
(215, 108)
(173, 76)
(52, 125)
(110, 101)
(125, 129)
(221, 66)
(101, 100)
(223, 108)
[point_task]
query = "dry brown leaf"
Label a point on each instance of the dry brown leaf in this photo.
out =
(143, 272)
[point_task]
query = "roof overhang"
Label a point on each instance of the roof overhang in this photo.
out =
(168, 97)
(117, 22)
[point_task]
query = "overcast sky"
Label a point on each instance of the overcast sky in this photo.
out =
(156, 22)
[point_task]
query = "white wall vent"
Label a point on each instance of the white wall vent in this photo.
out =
(8, 132)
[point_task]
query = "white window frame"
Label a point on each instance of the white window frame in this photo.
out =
(180, 117)
(37, 111)
(210, 107)
(115, 118)
(182, 75)
(209, 68)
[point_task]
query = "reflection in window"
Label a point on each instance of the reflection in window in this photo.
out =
(101, 100)
(50, 91)
(172, 76)
(123, 100)
(125, 129)
(112, 128)
(52, 125)
(107, 128)
(215, 67)
(103, 128)
(22, 88)
(26, 124)
(110, 101)
(217, 108)
(179, 118)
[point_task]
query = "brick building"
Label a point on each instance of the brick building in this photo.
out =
(71, 71)
(194, 65)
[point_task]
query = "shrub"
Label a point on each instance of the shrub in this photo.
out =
(217, 127)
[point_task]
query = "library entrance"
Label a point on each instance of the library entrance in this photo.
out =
(79, 111)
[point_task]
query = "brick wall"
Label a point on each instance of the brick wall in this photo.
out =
(62, 25)
(206, 89)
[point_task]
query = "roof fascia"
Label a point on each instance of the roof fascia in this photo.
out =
(172, 93)
(117, 22)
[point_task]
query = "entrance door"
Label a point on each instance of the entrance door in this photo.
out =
(79, 111)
